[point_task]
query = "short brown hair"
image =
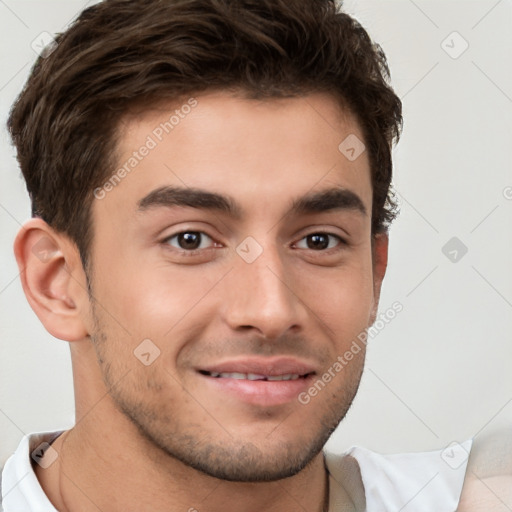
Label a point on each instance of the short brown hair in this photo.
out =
(124, 52)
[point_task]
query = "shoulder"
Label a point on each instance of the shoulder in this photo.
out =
(419, 482)
(488, 483)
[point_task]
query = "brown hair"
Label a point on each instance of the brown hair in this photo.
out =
(124, 52)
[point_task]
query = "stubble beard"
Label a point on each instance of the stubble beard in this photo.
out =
(222, 456)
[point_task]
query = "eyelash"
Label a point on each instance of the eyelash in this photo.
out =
(340, 242)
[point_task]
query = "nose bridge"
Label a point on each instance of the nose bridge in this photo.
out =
(261, 296)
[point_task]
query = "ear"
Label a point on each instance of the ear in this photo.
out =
(380, 245)
(53, 279)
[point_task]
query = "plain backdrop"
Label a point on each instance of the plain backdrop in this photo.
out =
(440, 371)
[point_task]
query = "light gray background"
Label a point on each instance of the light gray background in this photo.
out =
(441, 370)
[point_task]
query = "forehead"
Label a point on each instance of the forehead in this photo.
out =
(261, 152)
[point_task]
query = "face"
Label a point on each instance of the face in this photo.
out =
(231, 267)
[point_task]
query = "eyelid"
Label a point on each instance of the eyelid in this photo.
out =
(186, 226)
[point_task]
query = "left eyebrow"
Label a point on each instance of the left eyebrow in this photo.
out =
(330, 199)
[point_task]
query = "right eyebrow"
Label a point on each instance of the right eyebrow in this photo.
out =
(192, 197)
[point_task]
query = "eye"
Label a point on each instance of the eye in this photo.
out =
(190, 241)
(319, 241)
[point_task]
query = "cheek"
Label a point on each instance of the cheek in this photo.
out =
(150, 299)
(342, 298)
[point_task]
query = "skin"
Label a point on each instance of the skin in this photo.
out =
(484, 494)
(488, 482)
(164, 436)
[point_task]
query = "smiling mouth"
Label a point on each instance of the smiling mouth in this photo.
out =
(254, 376)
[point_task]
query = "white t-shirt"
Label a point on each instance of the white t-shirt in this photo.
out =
(408, 482)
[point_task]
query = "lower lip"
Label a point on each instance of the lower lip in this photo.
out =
(261, 392)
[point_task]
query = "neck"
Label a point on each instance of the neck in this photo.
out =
(91, 464)
(106, 464)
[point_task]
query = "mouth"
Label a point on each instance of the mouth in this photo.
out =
(254, 376)
(263, 382)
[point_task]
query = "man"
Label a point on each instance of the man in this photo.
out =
(210, 184)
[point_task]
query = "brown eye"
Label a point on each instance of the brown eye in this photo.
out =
(190, 240)
(319, 241)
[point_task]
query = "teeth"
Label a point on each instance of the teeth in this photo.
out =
(254, 376)
(234, 375)
(290, 376)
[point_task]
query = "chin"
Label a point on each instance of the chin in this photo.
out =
(247, 463)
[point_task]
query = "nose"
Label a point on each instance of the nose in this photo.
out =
(261, 296)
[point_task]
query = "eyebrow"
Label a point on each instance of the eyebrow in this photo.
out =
(191, 197)
(323, 201)
(327, 200)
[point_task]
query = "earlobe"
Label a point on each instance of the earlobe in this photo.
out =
(50, 271)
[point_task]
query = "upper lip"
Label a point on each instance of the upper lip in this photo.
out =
(274, 366)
